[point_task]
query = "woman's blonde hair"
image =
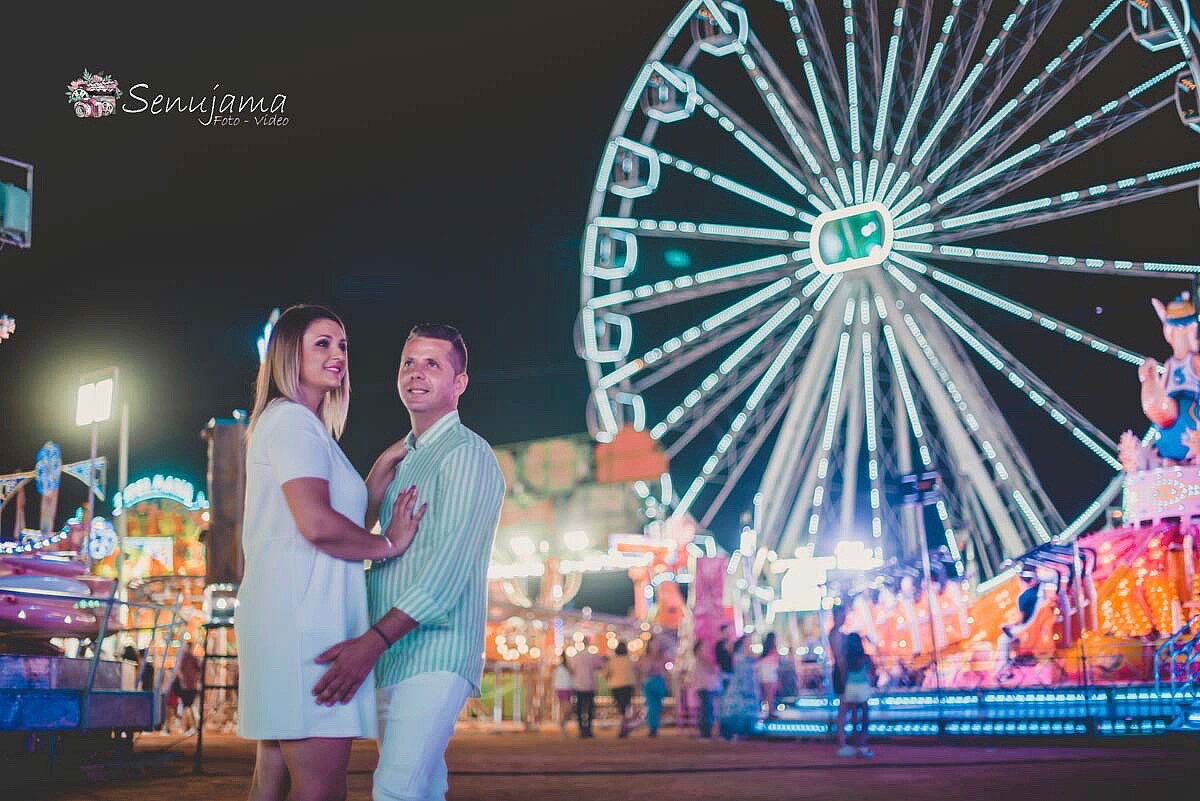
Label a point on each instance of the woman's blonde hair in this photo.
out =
(279, 373)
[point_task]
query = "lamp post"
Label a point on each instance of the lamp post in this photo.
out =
(921, 490)
(93, 406)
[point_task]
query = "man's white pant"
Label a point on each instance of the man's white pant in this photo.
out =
(416, 721)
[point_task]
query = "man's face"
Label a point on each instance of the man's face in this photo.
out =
(428, 382)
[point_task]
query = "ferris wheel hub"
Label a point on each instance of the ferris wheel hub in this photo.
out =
(851, 238)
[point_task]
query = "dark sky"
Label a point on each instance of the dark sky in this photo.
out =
(436, 165)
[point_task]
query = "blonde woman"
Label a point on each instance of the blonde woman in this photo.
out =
(305, 538)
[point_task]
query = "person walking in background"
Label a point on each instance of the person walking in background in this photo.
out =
(767, 673)
(836, 642)
(706, 680)
(186, 686)
(723, 651)
(860, 679)
(740, 703)
(653, 667)
(584, 667)
(621, 678)
(562, 693)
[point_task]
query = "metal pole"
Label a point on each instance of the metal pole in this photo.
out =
(91, 503)
(929, 599)
(122, 481)
(87, 521)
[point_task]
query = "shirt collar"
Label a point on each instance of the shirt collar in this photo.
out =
(434, 432)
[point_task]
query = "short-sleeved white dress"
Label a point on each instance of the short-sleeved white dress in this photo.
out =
(295, 601)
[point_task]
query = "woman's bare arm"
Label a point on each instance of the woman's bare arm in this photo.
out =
(338, 536)
(380, 477)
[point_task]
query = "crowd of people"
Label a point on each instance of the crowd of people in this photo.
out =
(735, 685)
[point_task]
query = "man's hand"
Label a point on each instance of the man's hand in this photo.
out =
(350, 661)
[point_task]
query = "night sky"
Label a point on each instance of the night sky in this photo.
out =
(436, 166)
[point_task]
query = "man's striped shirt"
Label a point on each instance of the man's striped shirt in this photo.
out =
(441, 581)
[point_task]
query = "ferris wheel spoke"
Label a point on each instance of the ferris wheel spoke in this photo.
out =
(1059, 207)
(1085, 133)
(703, 231)
(1002, 56)
(698, 340)
(702, 173)
(918, 429)
(917, 21)
(1022, 311)
(1038, 163)
(801, 129)
(1043, 261)
(1021, 377)
(932, 67)
(983, 423)
(804, 519)
(712, 404)
(869, 58)
(784, 467)
(880, 141)
(814, 52)
(870, 337)
(761, 148)
(754, 411)
(725, 384)
(952, 80)
(1006, 53)
(705, 283)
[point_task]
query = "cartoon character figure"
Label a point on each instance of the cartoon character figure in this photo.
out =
(1170, 399)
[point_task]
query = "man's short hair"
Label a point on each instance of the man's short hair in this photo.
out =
(446, 333)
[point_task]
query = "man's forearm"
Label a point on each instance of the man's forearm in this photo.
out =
(395, 624)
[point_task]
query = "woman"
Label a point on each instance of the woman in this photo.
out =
(562, 692)
(767, 672)
(653, 667)
(304, 541)
(860, 677)
(620, 677)
(740, 704)
(706, 680)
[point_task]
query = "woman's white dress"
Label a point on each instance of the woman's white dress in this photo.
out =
(295, 601)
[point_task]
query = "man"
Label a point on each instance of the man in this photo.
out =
(1027, 603)
(584, 667)
(430, 605)
(724, 654)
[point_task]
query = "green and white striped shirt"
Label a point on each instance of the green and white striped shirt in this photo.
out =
(441, 581)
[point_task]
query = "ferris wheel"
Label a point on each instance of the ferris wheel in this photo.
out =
(794, 199)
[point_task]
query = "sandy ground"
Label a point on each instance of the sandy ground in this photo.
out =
(535, 766)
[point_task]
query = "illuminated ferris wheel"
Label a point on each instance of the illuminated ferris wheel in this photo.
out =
(782, 228)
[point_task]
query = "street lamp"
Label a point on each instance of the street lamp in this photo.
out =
(93, 406)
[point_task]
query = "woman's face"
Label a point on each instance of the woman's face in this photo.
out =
(323, 356)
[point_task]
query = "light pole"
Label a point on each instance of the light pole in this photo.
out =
(93, 406)
(921, 490)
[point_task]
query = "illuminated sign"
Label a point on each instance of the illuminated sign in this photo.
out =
(159, 488)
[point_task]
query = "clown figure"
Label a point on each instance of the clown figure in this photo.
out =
(1170, 399)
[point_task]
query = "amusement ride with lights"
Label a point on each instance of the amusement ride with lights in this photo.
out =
(846, 173)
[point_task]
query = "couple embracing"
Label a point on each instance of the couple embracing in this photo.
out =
(316, 635)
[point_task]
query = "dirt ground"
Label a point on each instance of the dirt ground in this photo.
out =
(537, 766)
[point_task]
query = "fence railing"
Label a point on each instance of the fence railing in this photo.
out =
(118, 623)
